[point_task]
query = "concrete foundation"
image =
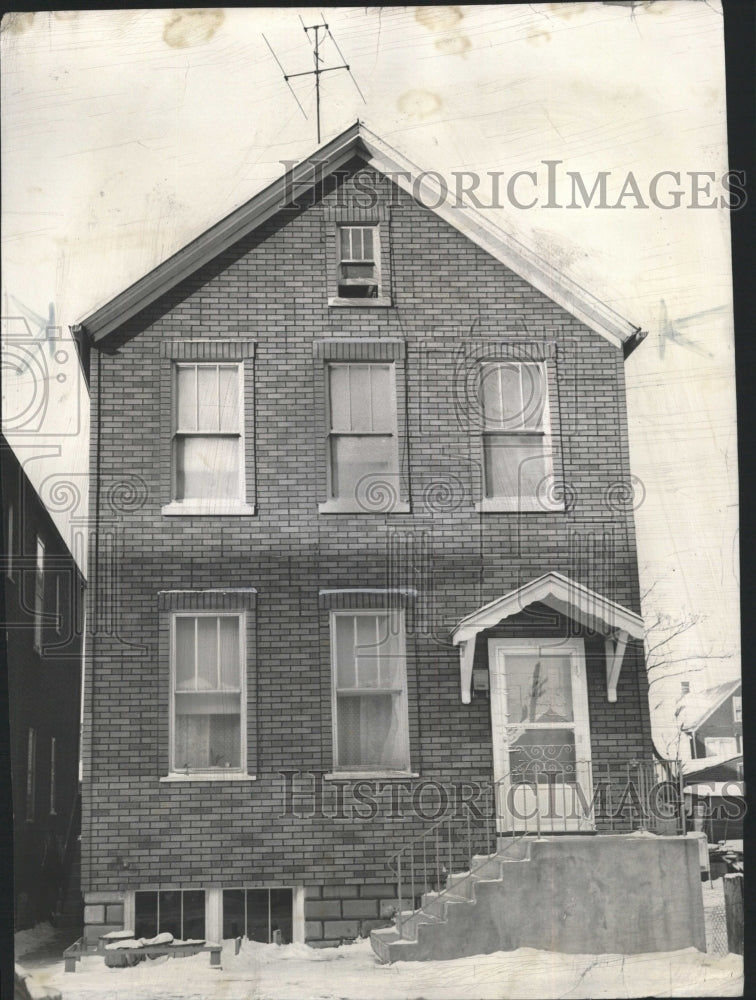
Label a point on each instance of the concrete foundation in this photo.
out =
(579, 895)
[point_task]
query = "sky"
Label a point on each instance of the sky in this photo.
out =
(127, 133)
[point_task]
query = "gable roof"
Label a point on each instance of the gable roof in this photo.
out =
(359, 140)
(569, 598)
(566, 596)
(715, 697)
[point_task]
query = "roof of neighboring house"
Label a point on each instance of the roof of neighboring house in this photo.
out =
(359, 140)
(713, 698)
(697, 765)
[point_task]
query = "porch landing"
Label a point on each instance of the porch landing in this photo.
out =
(616, 894)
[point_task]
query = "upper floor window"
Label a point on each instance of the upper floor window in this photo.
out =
(369, 691)
(207, 694)
(208, 449)
(362, 444)
(737, 708)
(359, 262)
(516, 431)
(39, 593)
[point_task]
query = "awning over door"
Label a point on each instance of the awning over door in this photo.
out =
(616, 623)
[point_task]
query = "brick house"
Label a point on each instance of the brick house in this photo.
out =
(374, 545)
(44, 602)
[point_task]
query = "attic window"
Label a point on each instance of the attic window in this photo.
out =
(358, 262)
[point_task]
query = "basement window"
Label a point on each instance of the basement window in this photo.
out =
(264, 915)
(180, 912)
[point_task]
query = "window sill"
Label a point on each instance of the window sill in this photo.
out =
(351, 775)
(379, 302)
(341, 507)
(207, 509)
(208, 776)
(521, 505)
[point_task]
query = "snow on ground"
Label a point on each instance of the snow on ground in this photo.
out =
(352, 972)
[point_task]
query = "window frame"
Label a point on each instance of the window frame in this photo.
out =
(209, 774)
(376, 770)
(516, 502)
(336, 504)
(207, 505)
(381, 261)
(737, 709)
(374, 259)
(39, 592)
(260, 888)
(166, 889)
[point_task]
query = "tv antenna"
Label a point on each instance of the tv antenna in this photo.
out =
(319, 70)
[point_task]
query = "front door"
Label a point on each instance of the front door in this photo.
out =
(541, 735)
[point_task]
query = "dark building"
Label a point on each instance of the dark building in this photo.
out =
(44, 603)
(361, 491)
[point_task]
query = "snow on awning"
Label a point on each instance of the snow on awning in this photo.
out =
(617, 623)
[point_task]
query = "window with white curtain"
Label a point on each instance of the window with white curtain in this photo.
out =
(361, 429)
(208, 454)
(369, 691)
(207, 693)
(517, 447)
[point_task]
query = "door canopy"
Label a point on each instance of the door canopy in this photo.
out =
(617, 624)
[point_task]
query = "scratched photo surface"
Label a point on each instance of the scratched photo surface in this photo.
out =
(592, 133)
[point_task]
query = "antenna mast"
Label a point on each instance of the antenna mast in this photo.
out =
(316, 28)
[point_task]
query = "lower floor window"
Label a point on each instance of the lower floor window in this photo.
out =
(178, 911)
(258, 914)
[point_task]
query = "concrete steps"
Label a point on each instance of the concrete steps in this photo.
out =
(444, 926)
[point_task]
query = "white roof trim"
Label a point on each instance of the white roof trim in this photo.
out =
(569, 598)
(329, 157)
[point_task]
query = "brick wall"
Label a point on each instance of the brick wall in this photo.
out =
(448, 297)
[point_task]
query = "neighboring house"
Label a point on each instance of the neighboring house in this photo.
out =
(44, 603)
(713, 721)
(715, 796)
(374, 546)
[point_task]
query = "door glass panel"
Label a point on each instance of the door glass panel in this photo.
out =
(539, 688)
(542, 755)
